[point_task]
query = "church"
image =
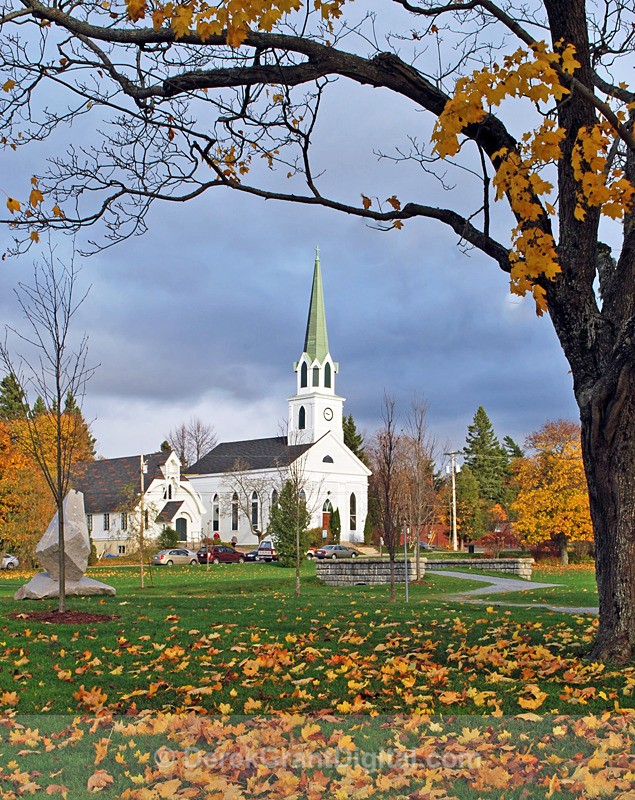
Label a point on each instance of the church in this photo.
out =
(239, 482)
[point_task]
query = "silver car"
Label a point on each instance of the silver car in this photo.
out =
(9, 562)
(336, 551)
(176, 555)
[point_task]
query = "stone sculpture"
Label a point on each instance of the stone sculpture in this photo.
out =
(76, 553)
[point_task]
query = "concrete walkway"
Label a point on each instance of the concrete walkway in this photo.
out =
(500, 586)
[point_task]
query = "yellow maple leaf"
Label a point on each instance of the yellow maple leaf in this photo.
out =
(13, 205)
(35, 197)
(34, 236)
(394, 202)
(366, 202)
(57, 211)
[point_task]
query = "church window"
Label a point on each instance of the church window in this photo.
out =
(327, 508)
(234, 512)
(169, 491)
(215, 514)
(255, 510)
(124, 521)
(328, 459)
(327, 376)
(303, 495)
(89, 521)
(106, 522)
(316, 376)
(274, 498)
(353, 513)
(304, 376)
(302, 418)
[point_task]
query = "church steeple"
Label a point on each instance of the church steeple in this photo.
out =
(315, 409)
(316, 340)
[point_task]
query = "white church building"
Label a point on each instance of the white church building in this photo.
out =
(239, 481)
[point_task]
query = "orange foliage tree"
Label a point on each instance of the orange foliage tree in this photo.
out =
(553, 499)
(26, 505)
(527, 103)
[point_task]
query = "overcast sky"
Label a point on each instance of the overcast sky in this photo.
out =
(205, 314)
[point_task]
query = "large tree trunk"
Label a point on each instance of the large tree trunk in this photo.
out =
(608, 439)
(563, 553)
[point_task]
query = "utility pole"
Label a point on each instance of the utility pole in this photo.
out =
(455, 540)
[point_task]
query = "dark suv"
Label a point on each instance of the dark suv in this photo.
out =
(220, 554)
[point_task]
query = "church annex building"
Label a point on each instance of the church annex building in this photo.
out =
(239, 481)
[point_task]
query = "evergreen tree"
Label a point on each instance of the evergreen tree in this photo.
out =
(12, 404)
(512, 448)
(471, 513)
(166, 447)
(485, 457)
(289, 520)
(352, 439)
(39, 407)
(335, 526)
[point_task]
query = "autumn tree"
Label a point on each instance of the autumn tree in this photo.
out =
(56, 371)
(553, 499)
(529, 107)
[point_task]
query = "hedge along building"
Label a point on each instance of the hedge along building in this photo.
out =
(240, 481)
(112, 501)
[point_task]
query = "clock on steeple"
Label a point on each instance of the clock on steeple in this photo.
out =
(315, 409)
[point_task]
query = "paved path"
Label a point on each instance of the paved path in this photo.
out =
(501, 585)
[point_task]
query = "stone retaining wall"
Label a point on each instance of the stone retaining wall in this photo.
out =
(511, 566)
(369, 571)
(363, 571)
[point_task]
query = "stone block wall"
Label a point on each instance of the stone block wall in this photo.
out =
(521, 567)
(363, 571)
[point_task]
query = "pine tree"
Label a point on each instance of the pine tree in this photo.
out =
(288, 519)
(352, 439)
(471, 517)
(512, 448)
(485, 457)
(12, 404)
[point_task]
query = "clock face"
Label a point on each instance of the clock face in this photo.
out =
(328, 414)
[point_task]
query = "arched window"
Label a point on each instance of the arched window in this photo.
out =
(316, 376)
(328, 459)
(181, 529)
(353, 513)
(327, 508)
(274, 498)
(234, 512)
(327, 375)
(303, 495)
(304, 376)
(302, 418)
(170, 490)
(216, 514)
(255, 511)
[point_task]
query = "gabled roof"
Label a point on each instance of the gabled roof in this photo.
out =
(316, 340)
(110, 484)
(253, 453)
(169, 511)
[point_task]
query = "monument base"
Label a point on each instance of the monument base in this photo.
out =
(42, 586)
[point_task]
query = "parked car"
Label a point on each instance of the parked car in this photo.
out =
(336, 551)
(177, 555)
(310, 553)
(220, 554)
(426, 546)
(9, 562)
(252, 555)
(266, 551)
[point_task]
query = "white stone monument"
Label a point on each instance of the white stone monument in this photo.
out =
(76, 553)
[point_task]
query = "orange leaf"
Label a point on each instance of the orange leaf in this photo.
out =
(394, 202)
(8, 85)
(366, 202)
(13, 205)
(99, 780)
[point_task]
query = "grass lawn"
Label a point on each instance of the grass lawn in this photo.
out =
(225, 659)
(577, 588)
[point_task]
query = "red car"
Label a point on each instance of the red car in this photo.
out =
(220, 554)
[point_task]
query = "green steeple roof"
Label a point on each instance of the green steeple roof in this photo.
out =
(316, 341)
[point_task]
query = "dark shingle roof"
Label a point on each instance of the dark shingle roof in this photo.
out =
(253, 453)
(110, 484)
(169, 511)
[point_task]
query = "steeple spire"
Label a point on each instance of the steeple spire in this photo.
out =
(316, 340)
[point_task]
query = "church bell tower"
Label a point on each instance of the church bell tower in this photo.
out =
(315, 409)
